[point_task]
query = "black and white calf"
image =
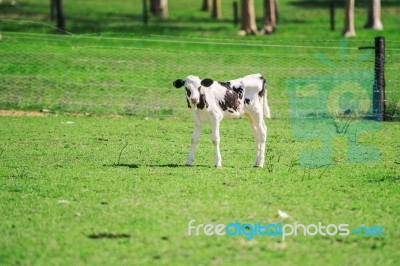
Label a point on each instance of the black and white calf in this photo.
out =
(211, 101)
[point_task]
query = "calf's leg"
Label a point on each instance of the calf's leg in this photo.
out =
(261, 137)
(195, 139)
(256, 140)
(215, 122)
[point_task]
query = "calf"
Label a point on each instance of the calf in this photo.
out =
(211, 101)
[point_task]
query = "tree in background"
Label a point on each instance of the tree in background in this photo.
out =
(349, 30)
(270, 12)
(248, 18)
(152, 7)
(52, 10)
(56, 7)
(374, 15)
(216, 9)
(159, 8)
(206, 5)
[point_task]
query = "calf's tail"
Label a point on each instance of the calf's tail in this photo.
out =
(267, 112)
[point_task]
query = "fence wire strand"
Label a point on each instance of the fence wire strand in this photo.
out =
(133, 74)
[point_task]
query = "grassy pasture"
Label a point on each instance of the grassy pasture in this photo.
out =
(297, 18)
(109, 187)
(133, 75)
(151, 197)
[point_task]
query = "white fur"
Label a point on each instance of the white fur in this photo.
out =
(251, 85)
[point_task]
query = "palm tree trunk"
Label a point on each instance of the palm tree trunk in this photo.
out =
(269, 16)
(216, 9)
(349, 30)
(206, 5)
(374, 15)
(248, 18)
(160, 8)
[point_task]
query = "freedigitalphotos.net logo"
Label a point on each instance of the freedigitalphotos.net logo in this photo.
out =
(280, 229)
(339, 102)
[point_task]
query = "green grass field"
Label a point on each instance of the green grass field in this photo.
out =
(151, 196)
(100, 180)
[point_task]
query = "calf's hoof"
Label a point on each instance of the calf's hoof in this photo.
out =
(258, 166)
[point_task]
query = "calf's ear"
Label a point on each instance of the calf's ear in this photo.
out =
(178, 83)
(207, 82)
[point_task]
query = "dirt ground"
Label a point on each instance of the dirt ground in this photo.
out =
(22, 113)
(48, 113)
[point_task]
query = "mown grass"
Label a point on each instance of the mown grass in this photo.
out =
(96, 75)
(103, 191)
(120, 69)
(297, 19)
(61, 186)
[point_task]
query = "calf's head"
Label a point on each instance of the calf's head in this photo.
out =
(192, 85)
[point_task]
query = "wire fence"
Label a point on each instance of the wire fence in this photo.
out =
(133, 74)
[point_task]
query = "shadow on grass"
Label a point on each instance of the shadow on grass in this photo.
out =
(108, 236)
(169, 165)
(387, 178)
(127, 165)
(338, 3)
(95, 21)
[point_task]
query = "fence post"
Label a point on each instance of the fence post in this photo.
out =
(235, 13)
(332, 14)
(145, 13)
(379, 81)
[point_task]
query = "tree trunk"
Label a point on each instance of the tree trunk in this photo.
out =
(216, 9)
(60, 15)
(52, 10)
(349, 30)
(269, 16)
(248, 18)
(206, 5)
(160, 8)
(374, 15)
(153, 7)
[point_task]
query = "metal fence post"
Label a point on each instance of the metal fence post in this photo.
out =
(379, 81)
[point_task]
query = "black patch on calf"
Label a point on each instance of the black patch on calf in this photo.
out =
(247, 101)
(261, 93)
(227, 85)
(239, 91)
(207, 82)
(231, 100)
(178, 83)
(188, 92)
(203, 102)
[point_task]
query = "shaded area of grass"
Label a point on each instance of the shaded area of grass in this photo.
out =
(339, 3)
(186, 18)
